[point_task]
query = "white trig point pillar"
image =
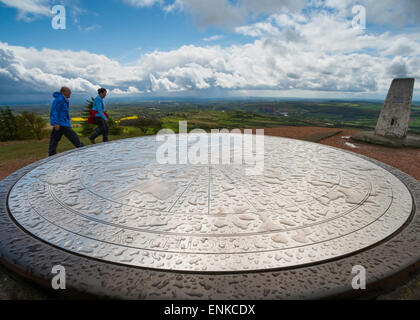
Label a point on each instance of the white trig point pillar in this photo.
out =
(395, 115)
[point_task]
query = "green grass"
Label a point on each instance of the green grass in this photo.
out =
(24, 149)
(39, 149)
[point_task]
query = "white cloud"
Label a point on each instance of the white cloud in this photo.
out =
(398, 67)
(144, 3)
(223, 12)
(273, 6)
(229, 13)
(91, 28)
(400, 12)
(31, 70)
(215, 12)
(214, 38)
(258, 30)
(130, 91)
(290, 53)
(29, 9)
(226, 12)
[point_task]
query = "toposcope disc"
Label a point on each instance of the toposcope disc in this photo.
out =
(115, 202)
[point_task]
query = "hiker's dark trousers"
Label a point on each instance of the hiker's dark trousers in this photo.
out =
(101, 130)
(56, 136)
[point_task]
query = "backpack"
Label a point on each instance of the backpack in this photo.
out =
(93, 113)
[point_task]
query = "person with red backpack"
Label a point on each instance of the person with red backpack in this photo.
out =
(99, 117)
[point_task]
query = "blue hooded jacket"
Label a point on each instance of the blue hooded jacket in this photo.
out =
(60, 111)
(98, 105)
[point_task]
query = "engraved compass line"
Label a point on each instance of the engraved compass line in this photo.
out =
(115, 201)
(208, 235)
(209, 191)
(239, 191)
(305, 202)
(131, 206)
(206, 253)
(234, 182)
(185, 190)
(335, 186)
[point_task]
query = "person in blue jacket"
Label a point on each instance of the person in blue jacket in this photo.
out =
(100, 118)
(60, 121)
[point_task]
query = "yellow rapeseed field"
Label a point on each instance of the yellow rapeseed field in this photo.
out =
(127, 118)
(80, 119)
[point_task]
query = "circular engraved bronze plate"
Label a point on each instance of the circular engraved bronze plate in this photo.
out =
(116, 203)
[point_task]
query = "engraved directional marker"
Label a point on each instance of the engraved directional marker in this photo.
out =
(116, 203)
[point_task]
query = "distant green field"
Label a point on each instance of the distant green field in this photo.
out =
(253, 114)
(263, 114)
(219, 115)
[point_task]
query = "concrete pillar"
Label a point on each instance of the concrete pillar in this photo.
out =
(395, 115)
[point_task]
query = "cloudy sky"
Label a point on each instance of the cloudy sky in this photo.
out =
(199, 48)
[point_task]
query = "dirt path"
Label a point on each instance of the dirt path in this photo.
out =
(405, 159)
(10, 166)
